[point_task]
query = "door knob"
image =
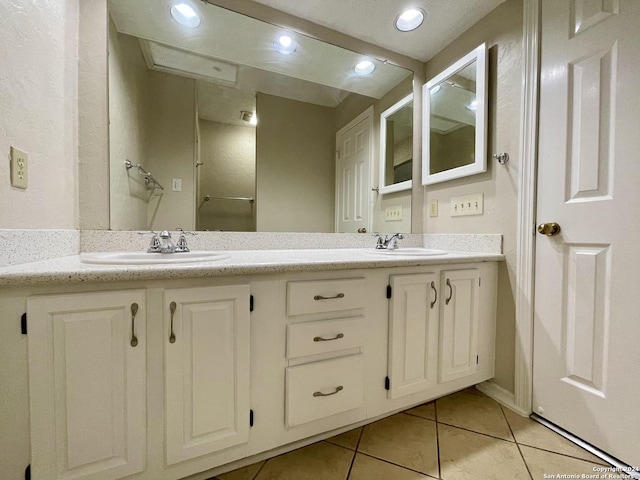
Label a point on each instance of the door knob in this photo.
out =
(550, 229)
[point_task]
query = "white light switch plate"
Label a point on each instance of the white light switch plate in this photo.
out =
(467, 205)
(393, 213)
(18, 168)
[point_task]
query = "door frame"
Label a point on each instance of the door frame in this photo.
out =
(367, 113)
(527, 183)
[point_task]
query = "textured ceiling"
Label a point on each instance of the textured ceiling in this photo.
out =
(373, 20)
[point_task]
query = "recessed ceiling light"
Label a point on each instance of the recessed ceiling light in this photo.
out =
(285, 44)
(473, 106)
(365, 67)
(410, 19)
(435, 89)
(185, 15)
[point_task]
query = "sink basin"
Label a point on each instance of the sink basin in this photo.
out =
(411, 252)
(143, 258)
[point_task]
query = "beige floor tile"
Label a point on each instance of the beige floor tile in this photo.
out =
(466, 455)
(244, 473)
(405, 440)
(368, 468)
(474, 391)
(347, 439)
(480, 414)
(541, 463)
(320, 461)
(427, 410)
(534, 434)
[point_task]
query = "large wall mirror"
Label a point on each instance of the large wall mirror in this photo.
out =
(227, 124)
(396, 146)
(455, 120)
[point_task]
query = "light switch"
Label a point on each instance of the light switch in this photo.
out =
(467, 205)
(393, 213)
(176, 184)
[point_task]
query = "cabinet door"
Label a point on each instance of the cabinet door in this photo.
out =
(413, 333)
(459, 324)
(206, 370)
(87, 383)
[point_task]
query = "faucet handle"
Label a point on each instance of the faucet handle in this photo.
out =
(154, 245)
(182, 245)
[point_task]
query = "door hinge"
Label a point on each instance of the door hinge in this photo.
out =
(251, 303)
(388, 291)
(387, 383)
(27, 473)
(251, 418)
(23, 324)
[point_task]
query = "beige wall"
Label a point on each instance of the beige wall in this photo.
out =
(228, 153)
(129, 103)
(295, 161)
(502, 31)
(38, 81)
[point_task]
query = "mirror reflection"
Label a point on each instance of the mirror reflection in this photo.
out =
(455, 112)
(235, 124)
(396, 146)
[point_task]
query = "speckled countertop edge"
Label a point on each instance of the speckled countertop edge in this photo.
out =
(70, 270)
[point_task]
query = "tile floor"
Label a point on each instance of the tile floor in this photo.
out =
(466, 435)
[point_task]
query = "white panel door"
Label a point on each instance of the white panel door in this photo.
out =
(413, 333)
(459, 324)
(586, 330)
(87, 378)
(206, 342)
(353, 174)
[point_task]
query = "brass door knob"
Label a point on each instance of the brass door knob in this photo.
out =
(550, 229)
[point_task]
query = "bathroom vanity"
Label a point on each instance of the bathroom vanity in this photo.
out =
(166, 371)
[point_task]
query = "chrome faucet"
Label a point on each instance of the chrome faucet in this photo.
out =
(163, 243)
(388, 242)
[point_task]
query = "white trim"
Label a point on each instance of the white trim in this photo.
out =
(394, 187)
(367, 113)
(525, 253)
(478, 55)
(501, 396)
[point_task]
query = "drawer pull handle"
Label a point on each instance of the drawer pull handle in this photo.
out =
(320, 394)
(172, 337)
(450, 292)
(320, 339)
(435, 293)
(134, 312)
(320, 297)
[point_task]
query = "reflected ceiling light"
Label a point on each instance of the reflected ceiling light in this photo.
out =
(185, 15)
(435, 89)
(472, 106)
(249, 117)
(285, 44)
(365, 67)
(410, 19)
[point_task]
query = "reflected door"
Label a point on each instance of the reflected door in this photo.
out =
(353, 174)
(586, 355)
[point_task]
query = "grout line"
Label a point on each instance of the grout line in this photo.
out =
(435, 413)
(355, 452)
(479, 433)
(259, 470)
(397, 464)
(524, 460)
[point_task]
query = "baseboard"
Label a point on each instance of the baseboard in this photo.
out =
(501, 396)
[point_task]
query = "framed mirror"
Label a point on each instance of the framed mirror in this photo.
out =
(396, 146)
(455, 120)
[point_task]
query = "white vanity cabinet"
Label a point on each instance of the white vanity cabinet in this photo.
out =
(206, 370)
(87, 381)
(436, 318)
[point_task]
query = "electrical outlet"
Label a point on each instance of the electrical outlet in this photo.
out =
(467, 205)
(176, 184)
(393, 213)
(19, 161)
(433, 208)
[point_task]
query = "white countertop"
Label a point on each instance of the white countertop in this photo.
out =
(69, 269)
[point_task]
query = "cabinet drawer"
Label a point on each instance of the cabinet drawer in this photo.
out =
(324, 296)
(321, 389)
(324, 336)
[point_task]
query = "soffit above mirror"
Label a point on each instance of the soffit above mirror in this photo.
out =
(373, 21)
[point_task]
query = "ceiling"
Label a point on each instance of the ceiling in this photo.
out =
(373, 20)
